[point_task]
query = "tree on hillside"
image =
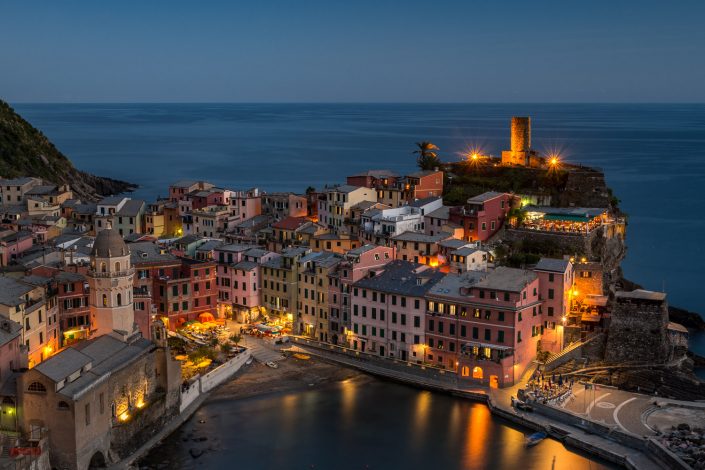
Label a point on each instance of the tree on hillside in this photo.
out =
(427, 158)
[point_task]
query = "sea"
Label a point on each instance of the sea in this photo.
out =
(653, 157)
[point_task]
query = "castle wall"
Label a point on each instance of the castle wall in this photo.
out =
(638, 332)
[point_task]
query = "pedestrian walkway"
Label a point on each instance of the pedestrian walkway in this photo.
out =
(263, 350)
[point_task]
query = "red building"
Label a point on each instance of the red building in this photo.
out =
(187, 292)
(484, 326)
(395, 191)
(74, 312)
(482, 216)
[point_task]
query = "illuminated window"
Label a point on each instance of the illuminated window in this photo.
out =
(477, 373)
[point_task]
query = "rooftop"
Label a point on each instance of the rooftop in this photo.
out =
(12, 291)
(641, 294)
(507, 279)
(552, 265)
(109, 243)
(148, 252)
(290, 223)
(9, 330)
(403, 278)
(131, 208)
(484, 197)
(421, 237)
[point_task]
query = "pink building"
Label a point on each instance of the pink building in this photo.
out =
(556, 278)
(388, 310)
(245, 205)
(239, 280)
(356, 264)
(482, 216)
(13, 244)
(178, 191)
(485, 326)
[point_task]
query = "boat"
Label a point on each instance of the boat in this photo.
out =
(535, 438)
(521, 405)
(272, 364)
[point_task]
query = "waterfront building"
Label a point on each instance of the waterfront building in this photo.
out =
(186, 293)
(355, 265)
(482, 216)
(484, 326)
(238, 280)
(556, 280)
(388, 310)
(208, 197)
(419, 247)
(312, 317)
(280, 276)
(151, 262)
(336, 202)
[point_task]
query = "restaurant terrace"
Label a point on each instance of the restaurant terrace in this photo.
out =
(577, 220)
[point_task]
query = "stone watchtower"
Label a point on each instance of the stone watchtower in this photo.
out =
(638, 330)
(520, 153)
(110, 280)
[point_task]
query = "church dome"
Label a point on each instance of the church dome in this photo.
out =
(108, 243)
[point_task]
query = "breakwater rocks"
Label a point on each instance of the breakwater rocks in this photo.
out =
(687, 443)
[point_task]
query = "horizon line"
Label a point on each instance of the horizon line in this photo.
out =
(363, 102)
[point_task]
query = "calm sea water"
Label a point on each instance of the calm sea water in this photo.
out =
(356, 426)
(653, 157)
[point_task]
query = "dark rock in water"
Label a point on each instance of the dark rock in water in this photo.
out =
(200, 439)
(688, 319)
(683, 427)
(195, 453)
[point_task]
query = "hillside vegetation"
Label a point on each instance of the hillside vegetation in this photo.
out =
(25, 151)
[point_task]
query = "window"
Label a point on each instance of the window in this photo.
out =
(63, 406)
(551, 294)
(105, 300)
(88, 414)
(119, 299)
(488, 334)
(550, 277)
(550, 311)
(500, 336)
(519, 337)
(475, 332)
(506, 296)
(519, 313)
(463, 331)
(36, 387)
(430, 325)
(417, 321)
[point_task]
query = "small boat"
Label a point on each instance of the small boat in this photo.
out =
(272, 364)
(521, 405)
(535, 438)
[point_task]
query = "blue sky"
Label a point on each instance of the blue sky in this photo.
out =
(352, 51)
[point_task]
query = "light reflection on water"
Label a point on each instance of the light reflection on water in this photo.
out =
(358, 424)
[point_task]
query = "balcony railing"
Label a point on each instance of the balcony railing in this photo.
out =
(125, 273)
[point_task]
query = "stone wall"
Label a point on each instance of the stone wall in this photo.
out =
(637, 332)
(585, 188)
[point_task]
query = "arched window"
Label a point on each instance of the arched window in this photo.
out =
(36, 387)
(63, 406)
(117, 266)
(105, 300)
(103, 267)
(477, 373)
(119, 299)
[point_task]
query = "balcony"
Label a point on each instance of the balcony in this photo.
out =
(125, 273)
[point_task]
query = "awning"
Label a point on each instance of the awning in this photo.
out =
(596, 300)
(567, 218)
(590, 318)
(205, 317)
(472, 344)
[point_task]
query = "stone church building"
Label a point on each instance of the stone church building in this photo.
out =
(101, 397)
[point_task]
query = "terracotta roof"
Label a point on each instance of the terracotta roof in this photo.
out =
(290, 223)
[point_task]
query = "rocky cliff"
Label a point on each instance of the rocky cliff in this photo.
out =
(25, 151)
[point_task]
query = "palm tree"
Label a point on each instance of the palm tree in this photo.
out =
(427, 158)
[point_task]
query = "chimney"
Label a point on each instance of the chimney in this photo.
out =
(521, 134)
